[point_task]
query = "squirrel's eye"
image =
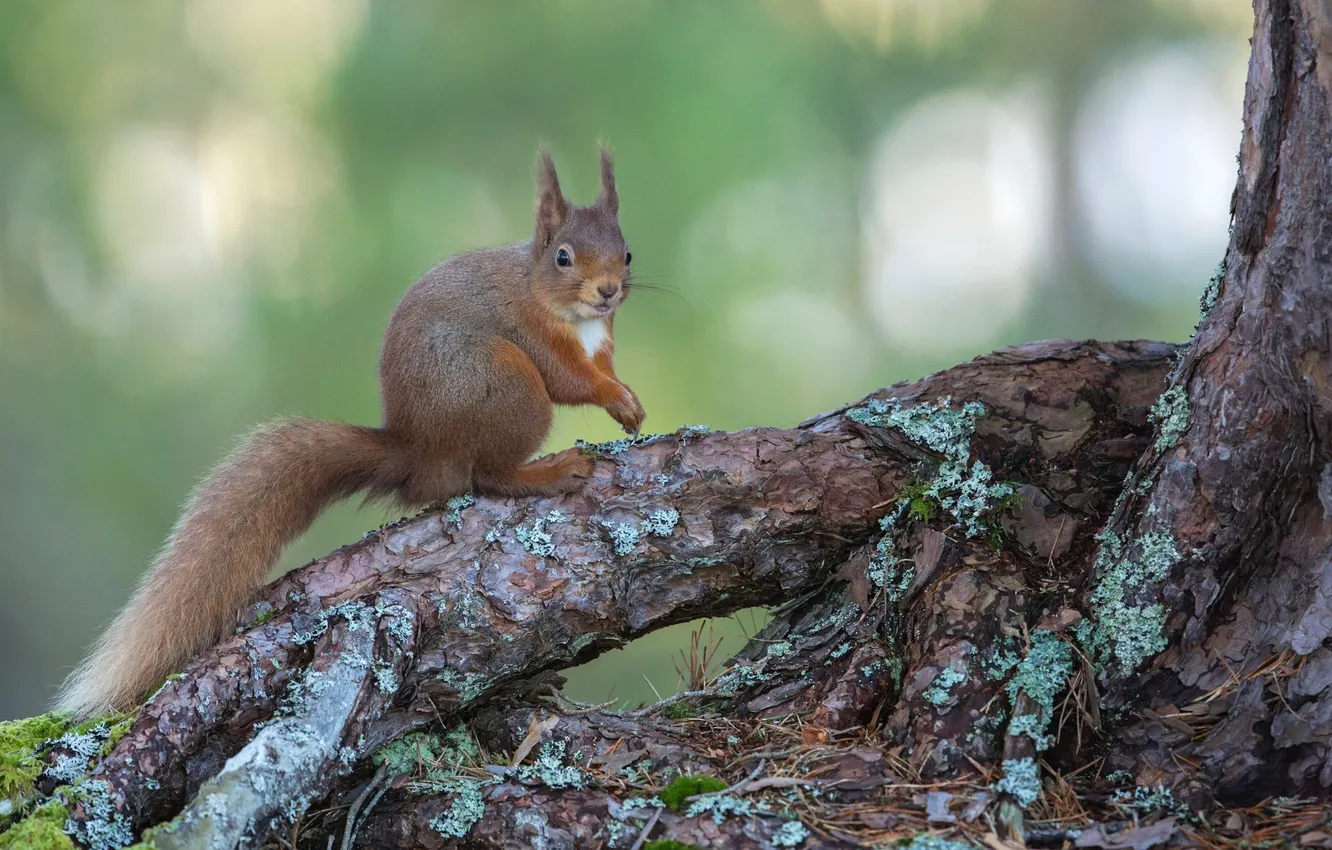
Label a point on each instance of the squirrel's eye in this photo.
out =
(562, 258)
(628, 257)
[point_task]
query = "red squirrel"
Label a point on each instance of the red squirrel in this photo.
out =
(475, 356)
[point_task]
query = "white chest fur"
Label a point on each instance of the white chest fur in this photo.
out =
(592, 333)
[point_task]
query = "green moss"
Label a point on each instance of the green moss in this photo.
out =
(673, 795)
(668, 844)
(19, 741)
(42, 829)
(680, 711)
(118, 730)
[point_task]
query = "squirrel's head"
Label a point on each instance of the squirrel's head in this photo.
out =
(580, 263)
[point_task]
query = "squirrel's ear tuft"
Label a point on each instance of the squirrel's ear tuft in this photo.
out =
(552, 208)
(609, 198)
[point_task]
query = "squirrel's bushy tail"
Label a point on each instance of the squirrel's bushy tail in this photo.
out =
(232, 531)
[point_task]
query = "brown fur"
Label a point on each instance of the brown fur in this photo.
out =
(475, 356)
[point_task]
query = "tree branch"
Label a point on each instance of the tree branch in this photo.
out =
(473, 597)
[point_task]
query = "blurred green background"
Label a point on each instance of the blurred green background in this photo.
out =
(208, 209)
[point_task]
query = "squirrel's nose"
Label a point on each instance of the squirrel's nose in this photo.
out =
(608, 290)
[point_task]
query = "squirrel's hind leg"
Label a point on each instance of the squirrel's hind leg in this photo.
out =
(548, 476)
(519, 417)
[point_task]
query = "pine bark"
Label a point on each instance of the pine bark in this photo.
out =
(1165, 557)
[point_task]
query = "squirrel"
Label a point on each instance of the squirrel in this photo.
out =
(475, 355)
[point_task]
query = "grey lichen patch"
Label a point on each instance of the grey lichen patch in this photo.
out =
(624, 537)
(399, 622)
(999, 659)
(440, 759)
(962, 487)
(358, 615)
(102, 827)
(1171, 416)
(468, 685)
(84, 744)
(1211, 292)
(435, 759)
(1153, 798)
(535, 537)
(466, 810)
(790, 834)
(661, 523)
(837, 619)
(268, 779)
(1040, 677)
(1120, 630)
(466, 607)
(940, 690)
(886, 570)
(408, 753)
(25, 746)
(687, 431)
(926, 841)
(722, 806)
(892, 665)
(550, 770)
(780, 648)
(1021, 780)
(386, 680)
(455, 506)
(739, 677)
(620, 446)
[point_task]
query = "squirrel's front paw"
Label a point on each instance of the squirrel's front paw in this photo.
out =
(627, 411)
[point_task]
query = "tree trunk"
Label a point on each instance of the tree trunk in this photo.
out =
(1065, 583)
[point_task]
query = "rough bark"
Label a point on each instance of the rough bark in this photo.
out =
(1150, 605)
(468, 599)
(1245, 494)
